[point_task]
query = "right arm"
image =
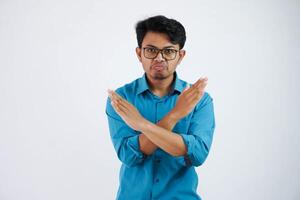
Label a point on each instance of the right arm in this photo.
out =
(132, 147)
(185, 103)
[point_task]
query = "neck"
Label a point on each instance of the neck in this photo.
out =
(160, 87)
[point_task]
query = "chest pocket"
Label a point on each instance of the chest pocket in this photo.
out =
(182, 126)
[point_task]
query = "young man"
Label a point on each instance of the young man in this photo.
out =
(160, 126)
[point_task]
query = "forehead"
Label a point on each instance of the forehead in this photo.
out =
(159, 40)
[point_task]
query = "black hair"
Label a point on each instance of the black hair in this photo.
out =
(161, 24)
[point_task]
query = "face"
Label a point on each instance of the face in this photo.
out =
(158, 68)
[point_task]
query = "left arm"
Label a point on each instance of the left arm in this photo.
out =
(163, 138)
(166, 140)
(195, 145)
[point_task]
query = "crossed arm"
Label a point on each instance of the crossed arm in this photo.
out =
(160, 134)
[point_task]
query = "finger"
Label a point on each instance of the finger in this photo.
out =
(189, 92)
(117, 98)
(124, 103)
(198, 92)
(198, 81)
(193, 89)
(113, 94)
(118, 108)
(193, 96)
(186, 88)
(117, 95)
(196, 99)
(120, 104)
(197, 96)
(201, 81)
(120, 98)
(196, 85)
(202, 85)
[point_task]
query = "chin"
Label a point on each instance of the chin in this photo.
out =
(159, 76)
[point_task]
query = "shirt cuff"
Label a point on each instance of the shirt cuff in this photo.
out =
(189, 142)
(133, 143)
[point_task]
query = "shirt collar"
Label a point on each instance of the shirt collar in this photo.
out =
(177, 85)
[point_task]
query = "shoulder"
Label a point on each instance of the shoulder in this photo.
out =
(206, 98)
(204, 101)
(128, 90)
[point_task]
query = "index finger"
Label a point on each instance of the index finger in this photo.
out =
(113, 94)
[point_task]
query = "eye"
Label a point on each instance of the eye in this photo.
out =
(151, 50)
(169, 51)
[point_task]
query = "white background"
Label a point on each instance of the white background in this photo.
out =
(58, 58)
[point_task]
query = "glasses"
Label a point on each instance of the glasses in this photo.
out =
(167, 54)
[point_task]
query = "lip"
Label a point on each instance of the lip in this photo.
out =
(158, 67)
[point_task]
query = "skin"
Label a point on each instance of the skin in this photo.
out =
(160, 79)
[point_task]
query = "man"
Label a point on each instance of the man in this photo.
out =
(160, 126)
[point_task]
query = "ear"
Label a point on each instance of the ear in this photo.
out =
(138, 52)
(181, 56)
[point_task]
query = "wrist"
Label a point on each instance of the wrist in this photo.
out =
(174, 116)
(144, 125)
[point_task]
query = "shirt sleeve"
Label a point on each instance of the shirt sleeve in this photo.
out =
(198, 140)
(124, 139)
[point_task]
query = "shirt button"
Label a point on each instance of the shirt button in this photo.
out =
(158, 161)
(157, 180)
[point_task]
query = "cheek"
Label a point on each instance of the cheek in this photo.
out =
(172, 64)
(146, 63)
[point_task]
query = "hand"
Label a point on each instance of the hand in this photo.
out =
(127, 111)
(188, 99)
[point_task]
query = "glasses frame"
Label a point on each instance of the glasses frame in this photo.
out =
(160, 51)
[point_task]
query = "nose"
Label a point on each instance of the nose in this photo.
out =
(159, 57)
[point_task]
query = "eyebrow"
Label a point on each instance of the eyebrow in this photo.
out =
(166, 47)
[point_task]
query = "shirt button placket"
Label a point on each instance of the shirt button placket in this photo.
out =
(159, 114)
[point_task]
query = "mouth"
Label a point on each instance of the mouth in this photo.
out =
(158, 67)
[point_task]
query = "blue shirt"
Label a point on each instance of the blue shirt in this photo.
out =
(160, 175)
